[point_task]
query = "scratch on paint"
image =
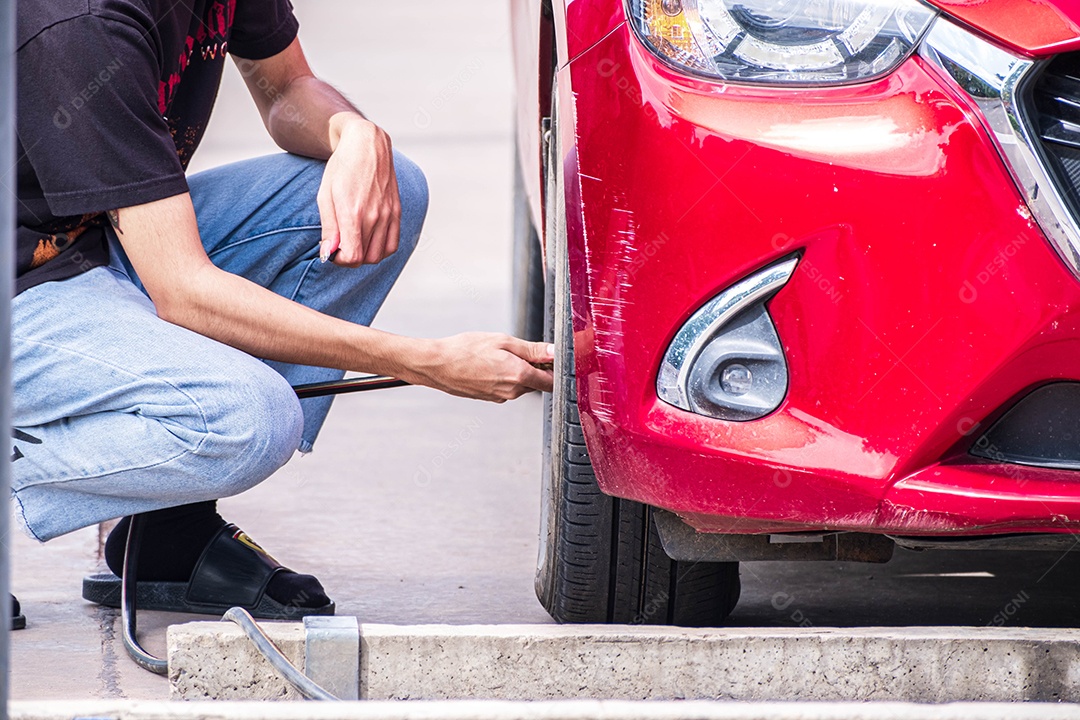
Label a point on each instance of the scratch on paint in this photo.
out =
(608, 306)
(900, 517)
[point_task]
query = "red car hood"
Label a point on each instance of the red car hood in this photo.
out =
(1034, 27)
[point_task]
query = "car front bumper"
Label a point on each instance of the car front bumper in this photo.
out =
(926, 300)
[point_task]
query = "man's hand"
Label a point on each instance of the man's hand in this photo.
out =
(358, 198)
(486, 366)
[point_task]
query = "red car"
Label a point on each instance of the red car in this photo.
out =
(812, 270)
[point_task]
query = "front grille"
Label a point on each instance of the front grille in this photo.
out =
(1056, 116)
(1031, 109)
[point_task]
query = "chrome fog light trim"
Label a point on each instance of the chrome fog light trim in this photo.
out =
(996, 79)
(726, 361)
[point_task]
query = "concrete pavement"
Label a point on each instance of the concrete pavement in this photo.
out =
(558, 710)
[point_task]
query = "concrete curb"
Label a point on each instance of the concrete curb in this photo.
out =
(549, 662)
(551, 710)
(216, 661)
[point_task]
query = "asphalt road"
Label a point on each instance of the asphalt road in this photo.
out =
(421, 508)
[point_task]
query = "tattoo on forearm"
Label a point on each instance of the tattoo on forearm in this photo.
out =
(114, 218)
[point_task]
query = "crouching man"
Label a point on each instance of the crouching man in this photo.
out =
(160, 320)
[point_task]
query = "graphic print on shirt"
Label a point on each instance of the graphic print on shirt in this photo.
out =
(202, 54)
(130, 145)
(50, 246)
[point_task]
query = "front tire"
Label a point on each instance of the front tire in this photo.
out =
(601, 560)
(528, 277)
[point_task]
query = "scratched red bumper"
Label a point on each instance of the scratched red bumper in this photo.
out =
(926, 300)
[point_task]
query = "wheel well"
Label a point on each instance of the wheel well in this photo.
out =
(548, 60)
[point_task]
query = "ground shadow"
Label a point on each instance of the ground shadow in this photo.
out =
(1034, 589)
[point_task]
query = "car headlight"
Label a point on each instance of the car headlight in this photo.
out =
(795, 42)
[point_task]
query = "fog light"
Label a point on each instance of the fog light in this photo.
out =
(726, 361)
(737, 379)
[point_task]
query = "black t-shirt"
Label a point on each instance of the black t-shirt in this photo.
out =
(113, 98)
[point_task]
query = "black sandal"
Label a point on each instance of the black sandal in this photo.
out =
(18, 620)
(233, 571)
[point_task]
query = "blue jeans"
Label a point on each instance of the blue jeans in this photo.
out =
(119, 412)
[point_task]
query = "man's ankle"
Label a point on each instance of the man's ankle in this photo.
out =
(172, 541)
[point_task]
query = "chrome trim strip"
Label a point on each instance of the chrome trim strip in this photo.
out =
(994, 78)
(671, 382)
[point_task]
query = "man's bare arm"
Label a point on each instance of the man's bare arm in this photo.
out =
(296, 107)
(162, 242)
(358, 199)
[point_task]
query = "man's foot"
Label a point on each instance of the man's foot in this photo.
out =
(174, 540)
(18, 620)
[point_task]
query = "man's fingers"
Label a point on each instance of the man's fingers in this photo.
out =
(393, 235)
(376, 246)
(353, 239)
(533, 352)
(536, 379)
(331, 237)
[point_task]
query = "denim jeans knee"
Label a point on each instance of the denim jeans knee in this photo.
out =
(257, 433)
(413, 189)
(149, 415)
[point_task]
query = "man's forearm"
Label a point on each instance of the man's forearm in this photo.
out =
(162, 242)
(308, 116)
(239, 313)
